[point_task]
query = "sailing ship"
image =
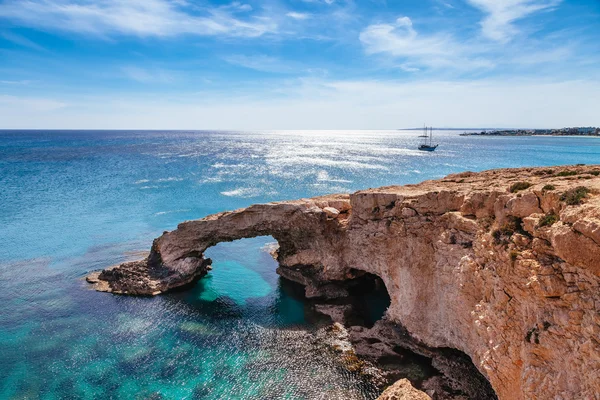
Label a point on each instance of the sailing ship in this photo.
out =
(425, 146)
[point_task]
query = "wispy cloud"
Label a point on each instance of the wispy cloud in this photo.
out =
(401, 40)
(135, 17)
(144, 75)
(259, 63)
(21, 82)
(237, 6)
(498, 24)
(21, 41)
(298, 15)
(543, 56)
(329, 2)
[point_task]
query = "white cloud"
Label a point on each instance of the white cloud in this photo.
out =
(329, 2)
(22, 41)
(297, 15)
(21, 82)
(321, 104)
(498, 24)
(401, 40)
(236, 5)
(134, 17)
(259, 63)
(543, 56)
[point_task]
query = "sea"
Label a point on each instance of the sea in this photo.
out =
(72, 202)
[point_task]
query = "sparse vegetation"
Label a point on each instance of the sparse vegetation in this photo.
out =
(548, 187)
(575, 196)
(515, 187)
(567, 173)
(595, 172)
(513, 255)
(511, 226)
(548, 220)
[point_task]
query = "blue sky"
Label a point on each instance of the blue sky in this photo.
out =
(298, 64)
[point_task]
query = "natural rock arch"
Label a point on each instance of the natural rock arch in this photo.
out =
(469, 262)
(310, 234)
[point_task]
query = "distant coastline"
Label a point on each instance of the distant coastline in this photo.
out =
(575, 131)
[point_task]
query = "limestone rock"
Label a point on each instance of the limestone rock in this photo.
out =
(467, 264)
(403, 390)
(331, 212)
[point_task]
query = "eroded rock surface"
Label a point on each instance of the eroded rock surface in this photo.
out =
(503, 265)
(403, 390)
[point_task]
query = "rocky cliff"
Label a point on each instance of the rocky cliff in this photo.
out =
(503, 265)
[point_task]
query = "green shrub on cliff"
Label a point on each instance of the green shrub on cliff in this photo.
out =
(548, 187)
(505, 232)
(515, 187)
(575, 196)
(548, 220)
(567, 173)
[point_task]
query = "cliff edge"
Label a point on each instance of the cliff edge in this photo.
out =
(503, 265)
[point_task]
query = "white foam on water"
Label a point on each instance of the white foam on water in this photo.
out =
(246, 192)
(171, 212)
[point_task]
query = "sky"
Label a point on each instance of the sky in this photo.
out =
(298, 64)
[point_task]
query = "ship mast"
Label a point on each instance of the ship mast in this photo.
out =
(430, 136)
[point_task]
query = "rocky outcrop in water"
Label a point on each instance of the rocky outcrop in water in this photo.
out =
(403, 390)
(502, 265)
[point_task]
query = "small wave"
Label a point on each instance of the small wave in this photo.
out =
(247, 192)
(169, 179)
(270, 247)
(221, 165)
(323, 176)
(331, 188)
(149, 187)
(214, 179)
(328, 163)
(171, 212)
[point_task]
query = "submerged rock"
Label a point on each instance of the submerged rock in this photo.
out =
(403, 390)
(337, 339)
(502, 265)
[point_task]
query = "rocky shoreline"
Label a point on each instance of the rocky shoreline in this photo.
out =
(500, 267)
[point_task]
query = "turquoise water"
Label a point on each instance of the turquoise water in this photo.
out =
(73, 202)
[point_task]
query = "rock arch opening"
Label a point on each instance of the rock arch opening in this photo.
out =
(246, 270)
(320, 248)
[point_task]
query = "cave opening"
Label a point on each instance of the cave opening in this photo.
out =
(243, 280)
(443, 373)
(363, 302)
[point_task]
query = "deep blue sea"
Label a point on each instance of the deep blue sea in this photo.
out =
(76, 201)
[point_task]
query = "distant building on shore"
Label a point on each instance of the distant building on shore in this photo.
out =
(575, 131)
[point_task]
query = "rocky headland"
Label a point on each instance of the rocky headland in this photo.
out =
(494, 274)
